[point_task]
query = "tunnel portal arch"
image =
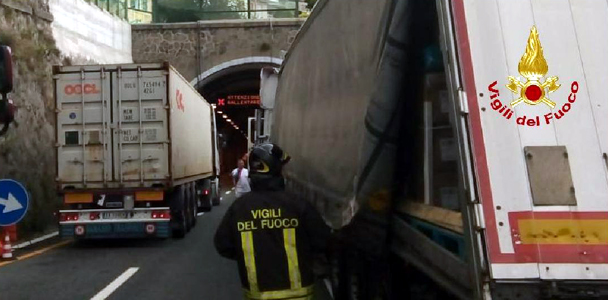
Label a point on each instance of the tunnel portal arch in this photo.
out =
(235, 65)
(235, 77)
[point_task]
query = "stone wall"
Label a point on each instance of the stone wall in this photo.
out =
(27, 152)
(87, 34)
(218, 41)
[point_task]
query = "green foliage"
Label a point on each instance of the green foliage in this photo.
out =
(32, 50)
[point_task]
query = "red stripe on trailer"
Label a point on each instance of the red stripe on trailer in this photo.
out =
(580, 252)
(478, 147)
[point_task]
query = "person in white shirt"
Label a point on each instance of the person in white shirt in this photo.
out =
(240, 179)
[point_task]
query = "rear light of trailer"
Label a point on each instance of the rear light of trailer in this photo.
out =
(94, 216)
(69, 217)
(161, 214)
(206, 192)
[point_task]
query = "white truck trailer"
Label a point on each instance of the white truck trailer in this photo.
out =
(467, 138)
(136, 151)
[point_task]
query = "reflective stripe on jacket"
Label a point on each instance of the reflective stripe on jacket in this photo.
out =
(273, 237)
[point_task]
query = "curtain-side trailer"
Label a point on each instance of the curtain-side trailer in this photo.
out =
(467, 139)
(136, 151)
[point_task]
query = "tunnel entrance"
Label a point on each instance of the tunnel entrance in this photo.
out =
(234, 91)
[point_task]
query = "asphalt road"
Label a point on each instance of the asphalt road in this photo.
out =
(189, 268)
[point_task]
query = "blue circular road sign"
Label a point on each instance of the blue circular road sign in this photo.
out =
(14, 201)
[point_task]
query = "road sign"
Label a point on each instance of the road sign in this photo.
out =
(14, 202)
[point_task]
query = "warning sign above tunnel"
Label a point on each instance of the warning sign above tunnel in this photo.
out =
(239, 100)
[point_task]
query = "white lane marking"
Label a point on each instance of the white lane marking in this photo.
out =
(329, 289)
(228, 192)
(114, 285)
(36, 240)
(200, 214)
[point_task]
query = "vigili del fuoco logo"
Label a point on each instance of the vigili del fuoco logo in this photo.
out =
(534, 90)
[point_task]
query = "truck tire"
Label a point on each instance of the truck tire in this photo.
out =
(188, 206)
(193, 205)
(206, 203)
(216, 195)
(178, 216)
(180, 230)
(359, 278)
(348, 279)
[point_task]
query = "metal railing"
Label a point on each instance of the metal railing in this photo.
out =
(135, 11)
(118, 8)
(168, 11)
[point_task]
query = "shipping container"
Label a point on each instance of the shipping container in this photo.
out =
(136, 139)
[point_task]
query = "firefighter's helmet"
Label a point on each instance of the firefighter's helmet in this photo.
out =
(267, 160)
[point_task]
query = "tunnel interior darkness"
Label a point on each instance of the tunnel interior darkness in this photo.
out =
(241, 80)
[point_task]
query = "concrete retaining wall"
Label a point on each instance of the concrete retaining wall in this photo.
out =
(88, 34)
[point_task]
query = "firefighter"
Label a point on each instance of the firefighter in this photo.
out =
(272, 236)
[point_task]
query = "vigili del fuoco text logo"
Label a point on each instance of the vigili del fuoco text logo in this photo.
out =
(534, 90)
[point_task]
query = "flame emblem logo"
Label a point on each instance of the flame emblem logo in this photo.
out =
(533, 67)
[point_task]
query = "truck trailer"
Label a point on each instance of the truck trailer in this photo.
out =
(463, 139)
(137, 152)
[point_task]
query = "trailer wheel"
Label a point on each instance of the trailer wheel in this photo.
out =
(178, 214)
(216, 195)
(359, 278)
(188, 206)
(206, 203)
(349, 285)
(193, 205)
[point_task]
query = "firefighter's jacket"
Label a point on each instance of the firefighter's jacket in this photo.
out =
(273, 237)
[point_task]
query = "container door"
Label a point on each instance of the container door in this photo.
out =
(83, 135)
(141, 142)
